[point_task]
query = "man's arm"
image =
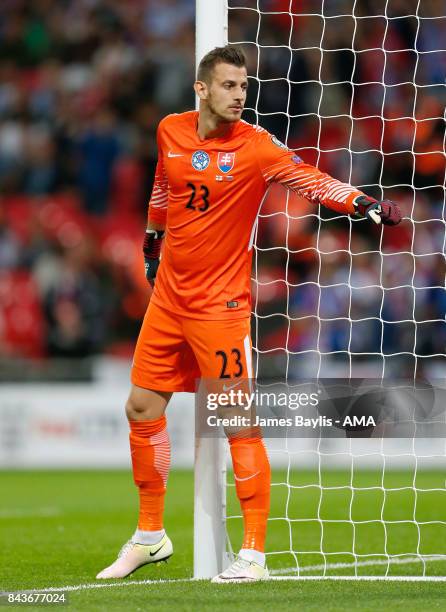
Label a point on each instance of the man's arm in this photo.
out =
(278, 164)
(156, 221)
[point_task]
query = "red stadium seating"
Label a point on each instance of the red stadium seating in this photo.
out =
(22, 325)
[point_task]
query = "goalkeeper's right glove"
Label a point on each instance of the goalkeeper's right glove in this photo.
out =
(151, 249)
(383, 211)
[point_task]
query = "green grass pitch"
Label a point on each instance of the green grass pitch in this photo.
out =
(60, 528)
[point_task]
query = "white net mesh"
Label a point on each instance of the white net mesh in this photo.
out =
(356, 88)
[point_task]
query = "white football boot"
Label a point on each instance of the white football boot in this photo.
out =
(242, 570)
(132, 556)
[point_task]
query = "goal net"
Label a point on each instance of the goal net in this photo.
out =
(356, 88)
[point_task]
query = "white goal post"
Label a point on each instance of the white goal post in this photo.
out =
(210, 465)
(350, 508)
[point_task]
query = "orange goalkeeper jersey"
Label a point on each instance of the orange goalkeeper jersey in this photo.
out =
(209, 192)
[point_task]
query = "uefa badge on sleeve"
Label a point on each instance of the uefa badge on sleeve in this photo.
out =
(278, 142)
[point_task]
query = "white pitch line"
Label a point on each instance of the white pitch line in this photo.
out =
(274, 576)
(103, 585)
(110, 585)
(10, 513)
(371, 562)
(367, 578)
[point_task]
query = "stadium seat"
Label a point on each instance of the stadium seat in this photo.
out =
(22, 324)
(19, 213)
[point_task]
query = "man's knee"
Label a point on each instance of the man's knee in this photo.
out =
(144, 404)
(135, 409)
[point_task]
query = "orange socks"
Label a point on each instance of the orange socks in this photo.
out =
(150, 450)
(252, 475)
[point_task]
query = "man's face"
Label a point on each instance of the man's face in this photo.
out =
(226, 93)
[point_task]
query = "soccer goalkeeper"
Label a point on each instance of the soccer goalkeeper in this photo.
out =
(212, 174)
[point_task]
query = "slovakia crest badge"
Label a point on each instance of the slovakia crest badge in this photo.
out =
(225, 161)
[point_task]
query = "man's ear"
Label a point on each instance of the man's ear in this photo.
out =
(201, 89)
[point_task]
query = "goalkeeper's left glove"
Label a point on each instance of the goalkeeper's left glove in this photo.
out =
(151, 249)
(384, 211)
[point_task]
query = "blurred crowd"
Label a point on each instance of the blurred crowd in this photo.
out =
(83, 85)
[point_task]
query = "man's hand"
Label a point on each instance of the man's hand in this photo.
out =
(386, 212)
(151, 249)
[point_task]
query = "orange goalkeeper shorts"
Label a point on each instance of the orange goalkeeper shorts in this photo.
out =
(173, 352)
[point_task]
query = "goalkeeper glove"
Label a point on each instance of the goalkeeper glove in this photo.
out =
(384, 211)
(151, 249)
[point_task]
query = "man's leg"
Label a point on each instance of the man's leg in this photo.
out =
(223, 352)
(252, 476)
(162, 360)
(150, 452)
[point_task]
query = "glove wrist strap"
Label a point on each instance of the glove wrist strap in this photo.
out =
(361, 203)
(152, 243)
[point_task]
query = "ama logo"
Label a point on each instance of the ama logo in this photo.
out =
(225, 161)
